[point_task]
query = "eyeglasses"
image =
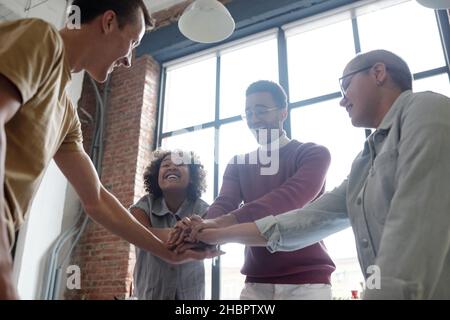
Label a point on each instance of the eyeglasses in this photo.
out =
(258, 112)
(344, 81)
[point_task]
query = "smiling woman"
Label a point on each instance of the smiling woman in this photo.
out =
(175, 168)
(174, 182)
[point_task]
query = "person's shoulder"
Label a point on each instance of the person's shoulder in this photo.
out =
(430, 96)
(147, 199)
(200, 206)
(428, 105)
(308, 147)
(36, 26)
(37, 32)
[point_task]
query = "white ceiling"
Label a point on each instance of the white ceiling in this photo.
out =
(15, 9)
(12, 9)
(158, 5)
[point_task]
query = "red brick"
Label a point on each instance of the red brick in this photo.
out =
(105, 260)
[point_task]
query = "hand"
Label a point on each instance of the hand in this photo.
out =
(207, 238)
(200, 227)
(210, 236)
(192, 255)
(197, 246)
(181, 230)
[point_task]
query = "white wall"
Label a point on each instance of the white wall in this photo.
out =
(41, 228)
(55, 206)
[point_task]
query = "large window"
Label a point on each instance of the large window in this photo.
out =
(204, 96)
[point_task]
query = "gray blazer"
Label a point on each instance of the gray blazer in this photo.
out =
(397, 200)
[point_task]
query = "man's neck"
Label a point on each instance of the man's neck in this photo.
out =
(75, 48)
(386, 102)
(272, 142)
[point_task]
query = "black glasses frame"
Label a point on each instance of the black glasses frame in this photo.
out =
(350, 74)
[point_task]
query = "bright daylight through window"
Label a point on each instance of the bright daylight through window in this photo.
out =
(317, 50)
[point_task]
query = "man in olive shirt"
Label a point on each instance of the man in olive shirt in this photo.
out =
(38, 122)
(396, 197)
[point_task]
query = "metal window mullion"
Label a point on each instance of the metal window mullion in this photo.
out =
(356, 39)
(283, 74)
(162, 91)
(443, 22)
(215, 267)
(430, 73)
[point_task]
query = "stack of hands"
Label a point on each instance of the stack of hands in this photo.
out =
(192, 233)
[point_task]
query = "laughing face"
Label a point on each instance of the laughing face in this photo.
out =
(263, 116)
(117, 45)
(173, 175)
(360, 99)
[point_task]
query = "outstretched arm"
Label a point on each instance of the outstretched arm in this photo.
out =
(245, 233)
(161, 233)
(105, 209)
(289, 231)
(295, 192)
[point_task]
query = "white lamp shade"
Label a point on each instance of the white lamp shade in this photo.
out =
(435, 4)
(206, 21)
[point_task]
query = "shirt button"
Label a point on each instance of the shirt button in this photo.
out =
(358, 201)
(364, 243)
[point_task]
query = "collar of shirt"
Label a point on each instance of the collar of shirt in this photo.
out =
(390, 116)
(277, 144)
(382, 131)
(160, 208)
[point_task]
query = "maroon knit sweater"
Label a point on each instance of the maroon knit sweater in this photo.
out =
(299, 180)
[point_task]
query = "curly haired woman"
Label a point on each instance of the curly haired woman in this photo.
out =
(174, 182)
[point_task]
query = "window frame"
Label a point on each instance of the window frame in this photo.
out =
(442, 19)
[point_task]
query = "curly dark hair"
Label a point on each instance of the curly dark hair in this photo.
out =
(197, 183)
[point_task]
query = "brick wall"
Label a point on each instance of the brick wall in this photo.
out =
(106, 261)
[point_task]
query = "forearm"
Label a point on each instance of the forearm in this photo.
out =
(112, 215)
(225, 221)
(245, 233)
(161, 233)
(300, 228)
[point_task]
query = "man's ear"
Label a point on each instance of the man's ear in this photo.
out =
(380, 73)
(283, 114)
(109, 21)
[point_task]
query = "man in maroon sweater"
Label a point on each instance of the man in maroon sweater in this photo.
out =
(293, 177)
